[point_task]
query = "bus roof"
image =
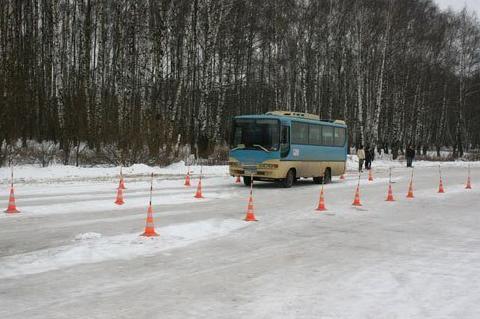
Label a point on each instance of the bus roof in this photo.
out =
(289, 116)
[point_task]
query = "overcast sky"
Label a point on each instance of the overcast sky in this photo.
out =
(458, 5)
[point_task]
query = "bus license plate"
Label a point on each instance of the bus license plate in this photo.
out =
(250, 170)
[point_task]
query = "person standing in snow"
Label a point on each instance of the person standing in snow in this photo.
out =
(369, 153)
(361, 157)
(410, 155)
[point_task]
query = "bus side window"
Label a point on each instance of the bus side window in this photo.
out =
(285, 141)
(327, 133)
(339, 136)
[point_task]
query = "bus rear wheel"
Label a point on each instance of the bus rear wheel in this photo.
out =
(327, 176)
(325, 179)
(288, 181)
(247, 180)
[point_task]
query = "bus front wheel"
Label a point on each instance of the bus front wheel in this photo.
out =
(289, 179)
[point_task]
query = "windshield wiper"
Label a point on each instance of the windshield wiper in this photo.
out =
(261, 147)
(239, 147)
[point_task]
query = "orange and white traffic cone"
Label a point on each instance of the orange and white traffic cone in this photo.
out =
(370, 175)
(187, 179)
(250, 217)
(199, 194)
(119, 200)
(410, 190)
(390, 194)
(238, 181)
(440, 185)
(469, 182)
(149, 226)
(356, 201)
(321, 202)
(410, 187)
(12, 208)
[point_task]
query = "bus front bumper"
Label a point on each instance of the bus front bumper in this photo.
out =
(263, 171)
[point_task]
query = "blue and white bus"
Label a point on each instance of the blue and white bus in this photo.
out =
(285, 146)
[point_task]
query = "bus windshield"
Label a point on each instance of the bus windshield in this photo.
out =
(261, 134)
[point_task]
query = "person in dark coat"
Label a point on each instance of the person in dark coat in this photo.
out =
(410, 155)
(369, 154)
(372, 156)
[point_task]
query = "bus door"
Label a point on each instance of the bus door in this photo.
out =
(285, 141)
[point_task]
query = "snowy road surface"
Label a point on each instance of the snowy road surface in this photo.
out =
(72, 253)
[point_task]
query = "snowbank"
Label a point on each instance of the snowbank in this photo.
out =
(93, 247)
(385, 163)
(29, 173)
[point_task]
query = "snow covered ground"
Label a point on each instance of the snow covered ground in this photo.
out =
(73, 253)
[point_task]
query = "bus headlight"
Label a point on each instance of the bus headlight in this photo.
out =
(267, 166)
(234, 164)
